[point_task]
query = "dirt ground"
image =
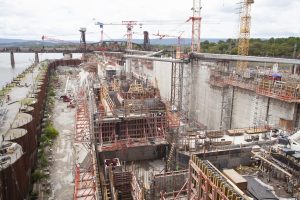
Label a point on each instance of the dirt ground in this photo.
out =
(62, 169)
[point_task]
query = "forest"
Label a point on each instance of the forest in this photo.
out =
(273, 47)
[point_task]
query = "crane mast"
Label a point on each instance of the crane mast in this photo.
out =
(243, 43)
(129, 25)
(196, 26)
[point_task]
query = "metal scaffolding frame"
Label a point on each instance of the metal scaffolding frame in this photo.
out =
(177, 85)
(288, 92)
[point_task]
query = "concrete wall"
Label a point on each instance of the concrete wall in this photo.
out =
(279, 109)
(214, 111)
(169, 182)
(247, 108)
(136, 153)
(228, 158)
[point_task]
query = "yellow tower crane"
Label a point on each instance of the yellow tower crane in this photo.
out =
(243, 45)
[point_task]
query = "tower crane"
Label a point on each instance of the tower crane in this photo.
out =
(101, 27)
(196, 25)
(243, 42)
(129, 27)
(178, 46)
(82, 38)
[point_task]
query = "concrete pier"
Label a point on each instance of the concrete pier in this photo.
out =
(12, 59)
(67, 55)
(36, 58)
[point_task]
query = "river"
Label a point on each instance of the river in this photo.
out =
(22, 61)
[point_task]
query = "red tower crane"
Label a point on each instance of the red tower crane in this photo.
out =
(196, 25)
(129, 25)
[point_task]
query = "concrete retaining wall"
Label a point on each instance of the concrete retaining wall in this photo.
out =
(136, 153)
(228, 158)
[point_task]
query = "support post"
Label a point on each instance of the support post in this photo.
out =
(12, 59)
(36, 58)
(67, 55)
(232, 104)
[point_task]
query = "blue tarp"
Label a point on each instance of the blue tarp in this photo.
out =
(276, 75)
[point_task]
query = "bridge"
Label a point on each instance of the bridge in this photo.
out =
(119, 47)
(110, 46)
(43, 50)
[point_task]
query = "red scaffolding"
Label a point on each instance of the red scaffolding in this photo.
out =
(82, 127)
(85, 172)
(85, 183)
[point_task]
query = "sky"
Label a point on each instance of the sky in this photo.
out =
(61, 19)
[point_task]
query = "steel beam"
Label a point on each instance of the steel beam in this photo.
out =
(226, 57)
(155, 59)
(138, 52)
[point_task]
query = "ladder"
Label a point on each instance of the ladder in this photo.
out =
(172, 150)
(255, 111)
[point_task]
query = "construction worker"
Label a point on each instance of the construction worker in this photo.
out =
(297, 90)
(7, 98)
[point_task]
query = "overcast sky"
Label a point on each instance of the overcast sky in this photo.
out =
(30, 19)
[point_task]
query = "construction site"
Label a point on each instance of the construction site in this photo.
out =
(139, 124)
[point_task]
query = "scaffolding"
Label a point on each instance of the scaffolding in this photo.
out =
(82, 126)
(85, 183)
(130, 117)
(85, 186)
(282, 90)
(120, 185)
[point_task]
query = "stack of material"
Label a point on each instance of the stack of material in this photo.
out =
(235, 132)
(256, 130)
(236, 178)
(214, 134)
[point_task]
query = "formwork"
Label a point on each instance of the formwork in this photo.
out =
(207, 182)
(169, 185)
(121, 185)
(129, 116)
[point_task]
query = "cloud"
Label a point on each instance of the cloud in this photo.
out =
(31, 19)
